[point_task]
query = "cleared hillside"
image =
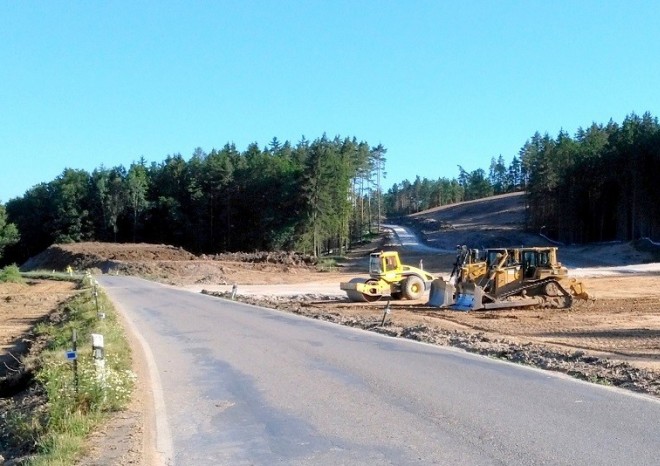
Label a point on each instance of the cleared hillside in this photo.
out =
(499, 221)
(490, 222)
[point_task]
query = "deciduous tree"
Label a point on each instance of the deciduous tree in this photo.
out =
(8, 232)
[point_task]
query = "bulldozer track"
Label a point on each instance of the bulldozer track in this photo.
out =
(537, 284)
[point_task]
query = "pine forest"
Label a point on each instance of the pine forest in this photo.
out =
(600, 184)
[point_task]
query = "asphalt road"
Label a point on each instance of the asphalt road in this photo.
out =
(240, 384)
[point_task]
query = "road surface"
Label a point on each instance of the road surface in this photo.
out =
(237, 384)
(406, 238)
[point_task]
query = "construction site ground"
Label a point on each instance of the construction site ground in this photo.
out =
(621, 322)
(612, 339)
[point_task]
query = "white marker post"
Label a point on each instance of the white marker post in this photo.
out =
(98, 353)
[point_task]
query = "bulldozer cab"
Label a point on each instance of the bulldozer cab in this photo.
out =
(539, 263)
(532, 260)
(514, 265)
(501, 257)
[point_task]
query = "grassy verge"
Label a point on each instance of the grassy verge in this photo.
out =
(64, 407)
(58, 276)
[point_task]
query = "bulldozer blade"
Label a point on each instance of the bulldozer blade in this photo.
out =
(469, 298)
(442, 293)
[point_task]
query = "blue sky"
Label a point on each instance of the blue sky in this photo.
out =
(438, 83)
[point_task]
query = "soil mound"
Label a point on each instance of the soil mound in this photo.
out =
(170, 264)
(104, 256)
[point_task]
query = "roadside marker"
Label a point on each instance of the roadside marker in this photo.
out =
(386, 311)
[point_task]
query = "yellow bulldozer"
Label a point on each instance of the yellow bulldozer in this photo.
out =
(388, 276)
(500, 278)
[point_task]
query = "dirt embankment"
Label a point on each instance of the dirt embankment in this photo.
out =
(22, 306)
(172, 265)
(102, 257)
(499, 221)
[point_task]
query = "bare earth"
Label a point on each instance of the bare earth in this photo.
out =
(21, 307)
(613, 339)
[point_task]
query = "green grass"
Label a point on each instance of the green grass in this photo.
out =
(327, 264)
(53, 275)
(11, 274)
(75, 405)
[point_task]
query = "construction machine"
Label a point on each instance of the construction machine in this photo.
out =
(388, 276)
(501, 278)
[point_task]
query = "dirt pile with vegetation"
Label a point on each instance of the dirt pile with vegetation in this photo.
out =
(22, 306)
(103, 256)
(168, 264)
(289, 258)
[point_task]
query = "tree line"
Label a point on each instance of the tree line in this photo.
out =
(313, 196)
(600, 185)
(316, 196)
(406, 198)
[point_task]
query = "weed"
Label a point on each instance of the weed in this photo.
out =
(53, 275)
(11, 274)
(326, 264)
